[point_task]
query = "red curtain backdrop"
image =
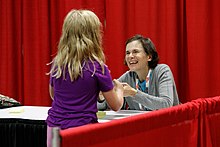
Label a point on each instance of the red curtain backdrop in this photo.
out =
(186, 34)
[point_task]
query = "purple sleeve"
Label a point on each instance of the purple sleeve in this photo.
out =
(104, 80)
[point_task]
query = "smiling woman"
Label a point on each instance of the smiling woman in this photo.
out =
(137, 59)
(147, 85)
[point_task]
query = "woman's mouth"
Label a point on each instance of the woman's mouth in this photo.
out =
(133, 62)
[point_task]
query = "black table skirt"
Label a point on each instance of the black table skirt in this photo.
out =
(22, 133)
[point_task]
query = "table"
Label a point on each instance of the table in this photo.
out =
(23, 126)
(26, 126)
(112, 115)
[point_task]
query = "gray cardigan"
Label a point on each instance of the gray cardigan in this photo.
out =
(162, 91)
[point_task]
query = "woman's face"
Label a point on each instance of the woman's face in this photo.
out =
(135, 57)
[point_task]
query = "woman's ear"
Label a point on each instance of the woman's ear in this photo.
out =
(149, 57)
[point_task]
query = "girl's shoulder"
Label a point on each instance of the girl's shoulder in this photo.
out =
(95, 66)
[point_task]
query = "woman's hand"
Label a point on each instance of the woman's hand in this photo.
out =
(114, 97)
(128, 90)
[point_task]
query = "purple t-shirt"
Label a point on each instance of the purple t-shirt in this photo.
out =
(75, 103)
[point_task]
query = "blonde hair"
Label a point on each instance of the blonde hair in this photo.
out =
(81, 40)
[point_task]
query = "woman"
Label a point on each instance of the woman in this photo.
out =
(147, 85)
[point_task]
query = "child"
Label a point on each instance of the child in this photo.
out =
(78, 74)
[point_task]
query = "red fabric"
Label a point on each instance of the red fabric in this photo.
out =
(30, 32)
(177, 126)
(194, 123)
(186, 34)
(209, 128)
(213, 120)
(200, 38)
(11, 75)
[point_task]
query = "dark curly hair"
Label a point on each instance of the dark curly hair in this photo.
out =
(149, 48)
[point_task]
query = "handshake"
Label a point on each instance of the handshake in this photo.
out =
(125, 87)
(120, 89)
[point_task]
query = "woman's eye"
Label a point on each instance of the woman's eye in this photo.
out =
(135, 51)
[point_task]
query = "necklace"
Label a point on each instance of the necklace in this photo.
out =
(143, 86)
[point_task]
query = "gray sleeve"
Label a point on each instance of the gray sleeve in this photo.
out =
(102, 105)
(151, 102)
(161, 93)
